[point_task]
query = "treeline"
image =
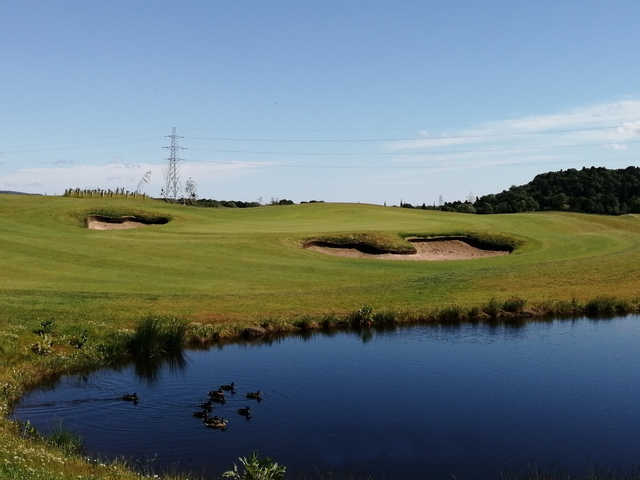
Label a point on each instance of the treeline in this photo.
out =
(590, 190)
(424, 206)
(200, 202)
(211, 203)
(102, 193)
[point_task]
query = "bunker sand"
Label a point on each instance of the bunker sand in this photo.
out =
(93, 223)
(433, 250)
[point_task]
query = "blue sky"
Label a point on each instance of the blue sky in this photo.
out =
(353, 101)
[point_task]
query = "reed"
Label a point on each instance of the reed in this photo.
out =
(157, 337)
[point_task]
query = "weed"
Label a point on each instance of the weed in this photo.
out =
(492, 308)
(363, 317)
(80, 340)
(451, 314)
(43, 346)
(328, 321)
(304, 323)
(46, 327)
(385, 318)
(69, 442)
(256, 468)
(27, 430)
(601, 306)
(474, 313)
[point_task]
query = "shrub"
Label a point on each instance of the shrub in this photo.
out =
(363, 317)
(474, 312)
(329, 321)
(492, 308)
(46, 327)
(514, 305)
(256, 468)
(451, 314)
(601, 306)
(80, 340)
(304, 323)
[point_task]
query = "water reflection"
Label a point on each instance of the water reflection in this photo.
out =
(148, 368)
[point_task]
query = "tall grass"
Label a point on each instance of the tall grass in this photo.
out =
(69, 442)
(602, 306)
(158, 336)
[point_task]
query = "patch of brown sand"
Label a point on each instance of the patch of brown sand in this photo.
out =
(94, 224)
(426, 250)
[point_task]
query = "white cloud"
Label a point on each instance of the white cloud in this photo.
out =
(55, 179)
(609, 123)
(617, 146)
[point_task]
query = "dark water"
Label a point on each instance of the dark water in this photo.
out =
(471, 401)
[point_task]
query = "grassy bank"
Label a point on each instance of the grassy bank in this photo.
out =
(51, 352)
(72, 298)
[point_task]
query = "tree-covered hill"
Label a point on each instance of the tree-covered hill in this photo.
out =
(590, 190)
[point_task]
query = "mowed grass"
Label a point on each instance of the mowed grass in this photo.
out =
(217, 264)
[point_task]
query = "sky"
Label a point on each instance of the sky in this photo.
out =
(375, 101)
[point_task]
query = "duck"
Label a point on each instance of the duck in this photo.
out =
(206, 405)
(255, 395)
(245, 412)
(218, 423)
(130, 397)
(201, 414)
(229, 387)
(217, 396)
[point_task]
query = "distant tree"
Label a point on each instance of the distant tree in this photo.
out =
(591, 190)
(191, 190)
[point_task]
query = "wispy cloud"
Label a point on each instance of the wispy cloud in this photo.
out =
(113, 175)
(618, 146)
(608, 123)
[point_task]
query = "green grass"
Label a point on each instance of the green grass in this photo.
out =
(71, 298)
(365, 242)
(214, 264)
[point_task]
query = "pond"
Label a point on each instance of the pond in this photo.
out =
(470, 401)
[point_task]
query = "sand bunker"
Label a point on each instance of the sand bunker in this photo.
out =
(427, 250)
(96, 222)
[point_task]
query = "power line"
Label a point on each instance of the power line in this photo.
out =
(38, 148)
(406, 139)
(411, 154)
(132, 140)
(449, 166)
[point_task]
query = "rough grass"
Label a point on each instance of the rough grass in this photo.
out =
(223, 270)
(364, 242)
